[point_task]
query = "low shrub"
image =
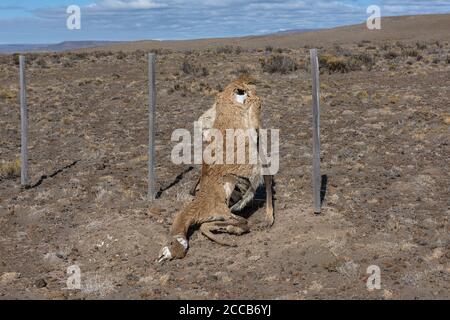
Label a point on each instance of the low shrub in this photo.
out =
(278, 63)
(192, 69)
(333, 63)
(390, 55)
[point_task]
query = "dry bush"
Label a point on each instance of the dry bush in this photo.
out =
(102, 54)
(357, 61)
(10, 169)
(7, 93)
(32, 57)
(238, 50)
(121, 55)
(229, 50)
(16, 60)
(160, 52)
(67, 63)
(410, 52)
(278, 63)
(138, 54)
(42, 62)
(225, 49)
(55, 58)
(350, 62)
(400, 45)
(192, 69)
(390, 55)
(361, 44)
(269, 49)
(333, 63)
(421, 45)
(242, 70)
(180, 87)
(79, 56)
(338, 48)
(5, 59)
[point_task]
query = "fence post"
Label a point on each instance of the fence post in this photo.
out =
(24, 125)
(151, 127)
(316, 130)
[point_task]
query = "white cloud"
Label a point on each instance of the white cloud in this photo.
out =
(129, 4)
(187, 19)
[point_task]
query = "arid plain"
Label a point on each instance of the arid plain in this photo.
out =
(385, 118)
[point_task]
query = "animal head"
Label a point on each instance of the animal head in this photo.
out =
(239, 93)
(175, 250)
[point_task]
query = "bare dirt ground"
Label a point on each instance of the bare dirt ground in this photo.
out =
(385, 152)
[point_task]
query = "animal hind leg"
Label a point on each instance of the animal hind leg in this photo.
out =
(268, 180)
(235, 227)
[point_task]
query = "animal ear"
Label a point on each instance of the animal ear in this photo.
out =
(246, 79)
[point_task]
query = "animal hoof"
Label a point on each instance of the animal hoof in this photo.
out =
(269, 223)
(263, 225)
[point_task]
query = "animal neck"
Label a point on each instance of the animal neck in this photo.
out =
(181, 224)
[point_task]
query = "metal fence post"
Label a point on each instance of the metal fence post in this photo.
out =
(316, 130)
(24, 125)
(151, 117)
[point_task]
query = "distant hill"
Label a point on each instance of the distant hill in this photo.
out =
(295, 31)
(402, 28)
(63, 46)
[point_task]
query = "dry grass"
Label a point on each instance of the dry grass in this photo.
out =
(10, 169)
(7, 93)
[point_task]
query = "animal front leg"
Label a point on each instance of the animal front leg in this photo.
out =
(246, 198)
(193, 190)
(249, 194)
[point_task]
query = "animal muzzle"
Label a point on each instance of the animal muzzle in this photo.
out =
(176, 250)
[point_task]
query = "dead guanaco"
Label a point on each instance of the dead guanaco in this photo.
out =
(237, 107)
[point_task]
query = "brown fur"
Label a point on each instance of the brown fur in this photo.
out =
(209, 209)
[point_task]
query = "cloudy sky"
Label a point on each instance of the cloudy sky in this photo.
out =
(44, 21)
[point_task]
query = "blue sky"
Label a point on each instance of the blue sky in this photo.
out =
(44, 21)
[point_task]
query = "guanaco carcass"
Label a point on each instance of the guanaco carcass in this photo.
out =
(237, 107)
